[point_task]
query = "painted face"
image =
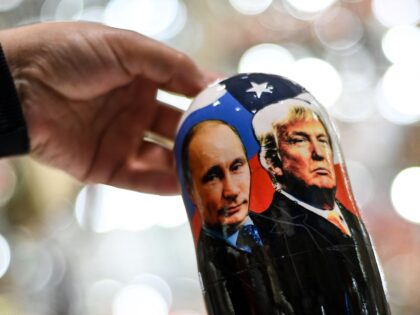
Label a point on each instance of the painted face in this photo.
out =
(306, 153)
(220, 175)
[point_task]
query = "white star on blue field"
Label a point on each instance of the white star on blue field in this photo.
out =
(259, 89)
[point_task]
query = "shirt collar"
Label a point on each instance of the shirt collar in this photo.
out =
(231, 239)
(321, 212)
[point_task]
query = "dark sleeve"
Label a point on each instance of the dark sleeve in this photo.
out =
(14, 138)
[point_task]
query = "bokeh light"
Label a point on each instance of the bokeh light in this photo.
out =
(388, 110)
(391, 13)
(160, 19)
(361, 180)
(37, 275)
(139, 299)
(171, 212)
(319, 78)
(51, 265)
(104, 208)
(5, 256)
(48, 10)
(157, 283)
(358, 74)
(61, 10)
(93, 14)
(187, 295)
(338, 28)
(250, 7)
(7, 182)
(401, 44)
(7, 5)
(405, 194)
(397, 95)
(69, 10)
(310, 6)
(266, 58)
(354, 106)
(357, 68)
(100, 295)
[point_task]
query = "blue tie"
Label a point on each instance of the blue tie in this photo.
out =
(248, 237)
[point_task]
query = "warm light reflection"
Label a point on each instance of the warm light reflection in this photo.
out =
(391, 12)
(7, 5)
(178, 101)
(319, 78)
(160, 19)
(139, 299)
(266, 58)
(4, 256)
(250, 7)
(310, 6)
(399, 91)
(401, 44)
(405, 194)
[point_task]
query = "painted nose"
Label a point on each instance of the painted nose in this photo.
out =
(318, 151)
(230, 189)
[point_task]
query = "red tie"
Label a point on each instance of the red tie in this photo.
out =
(334, 218)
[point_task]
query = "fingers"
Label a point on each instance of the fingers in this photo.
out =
(166, 122)
(152, 170)
(171, 69)
(152, 182)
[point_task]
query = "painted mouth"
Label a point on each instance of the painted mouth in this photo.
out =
(321, 171)
(228, 211)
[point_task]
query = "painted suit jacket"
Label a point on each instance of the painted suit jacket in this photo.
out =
(321, 270)
(238, 282)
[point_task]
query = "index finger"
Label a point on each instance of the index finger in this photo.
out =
(171, 69)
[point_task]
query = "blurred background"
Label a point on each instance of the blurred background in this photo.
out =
(71, 249)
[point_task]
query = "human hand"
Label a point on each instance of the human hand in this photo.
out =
(88, 94)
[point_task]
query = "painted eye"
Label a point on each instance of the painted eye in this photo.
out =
(296, 140)
(209, 178)
(212, 175)
(237, 166)
(323, 140)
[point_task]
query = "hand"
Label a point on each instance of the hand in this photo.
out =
(88, 94)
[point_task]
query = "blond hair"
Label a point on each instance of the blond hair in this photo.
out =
(271, 123)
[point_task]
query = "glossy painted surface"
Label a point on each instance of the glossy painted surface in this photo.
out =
(276, 227)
